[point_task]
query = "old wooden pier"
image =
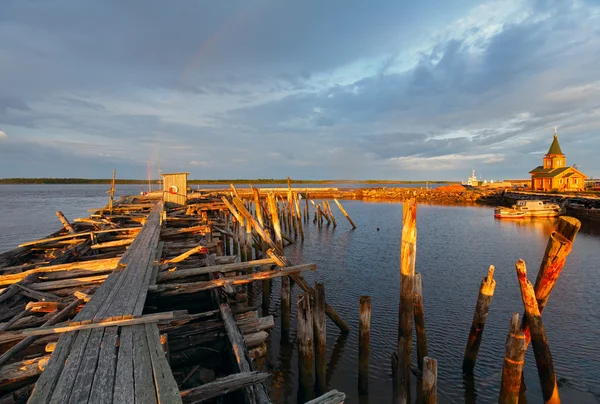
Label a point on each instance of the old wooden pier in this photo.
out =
(138, 301)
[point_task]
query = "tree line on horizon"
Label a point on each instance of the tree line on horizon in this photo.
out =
(204, 181)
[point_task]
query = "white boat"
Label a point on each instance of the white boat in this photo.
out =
(537, 208)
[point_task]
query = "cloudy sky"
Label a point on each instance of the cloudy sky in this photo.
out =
(310, 89)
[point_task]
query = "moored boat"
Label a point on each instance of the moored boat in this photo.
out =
(537, 208)
(508, 213)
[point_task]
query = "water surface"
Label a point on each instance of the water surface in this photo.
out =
(454, 249)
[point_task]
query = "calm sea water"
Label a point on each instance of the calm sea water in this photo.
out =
(455, 247)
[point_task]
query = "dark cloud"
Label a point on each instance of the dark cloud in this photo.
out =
(315, 86)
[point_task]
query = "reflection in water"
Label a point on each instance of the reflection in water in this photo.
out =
(469, 386)
(336, 354)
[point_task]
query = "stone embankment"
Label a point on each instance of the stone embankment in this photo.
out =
(452, 194)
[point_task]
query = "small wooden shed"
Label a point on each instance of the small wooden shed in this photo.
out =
(175, 188)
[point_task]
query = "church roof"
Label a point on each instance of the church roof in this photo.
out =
(555, 147)
(541, 172)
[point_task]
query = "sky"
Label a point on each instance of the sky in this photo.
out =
(312, 89)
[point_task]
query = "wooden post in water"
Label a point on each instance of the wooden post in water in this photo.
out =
(408, 255)
(304, 332)
(514, 359)
(419, 321)
(112, 192)
(364, 341)
(344, 212)
(299, 215)
(484, 300)
(65, 222)
(286, 306)
(541, 349)
(430, 367)
(559, 247)
(330, 213)
(306, 214)
(400, 394)
(320, 338)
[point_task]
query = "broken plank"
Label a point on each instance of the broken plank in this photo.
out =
(149, 318)
(193, 287)
(222, 386)
(238, 266)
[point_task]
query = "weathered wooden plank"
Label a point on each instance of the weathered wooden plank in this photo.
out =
(28, 341)
(65, 283)
(166, 386)
(331, 397)
(20, 371)
(77, 326)
(124, 390)
(238, 266)
(193, 287)
(143, 380)
(96, 265)
(67, 377)
(222, 386)
(85, 377)
(104, 377)
(83, 234)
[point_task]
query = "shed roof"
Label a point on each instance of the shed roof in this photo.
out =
(175, 174)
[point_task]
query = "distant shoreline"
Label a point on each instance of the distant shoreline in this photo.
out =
(201, 181)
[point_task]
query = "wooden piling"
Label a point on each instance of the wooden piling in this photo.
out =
(430, 367)
(286, 305)
(541, 348)
(484, 300)
(305, 335)
(344, 213)
(364, 341)
(419, 321)
(330, 213)
(320, 338)
(514, 359)
(408, 253)
(299, 215)
(558, 248)
(306, 213)
(112, 192)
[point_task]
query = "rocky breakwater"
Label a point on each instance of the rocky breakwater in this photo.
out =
(450, 194)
